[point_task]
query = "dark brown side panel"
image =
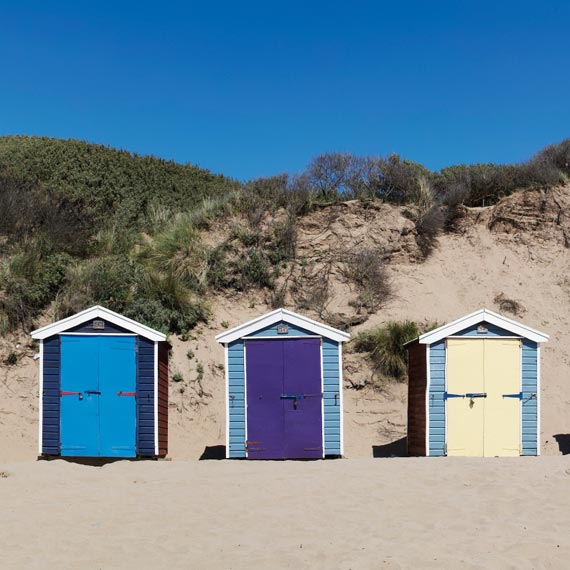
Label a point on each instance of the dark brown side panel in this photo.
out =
(163, 348)
(417, 379)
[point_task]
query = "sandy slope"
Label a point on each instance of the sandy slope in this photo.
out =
(517, 249)
(358, 514)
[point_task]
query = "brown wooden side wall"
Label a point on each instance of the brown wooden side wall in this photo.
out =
(163, 348)
(417, 379)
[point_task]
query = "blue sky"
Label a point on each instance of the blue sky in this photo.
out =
(257, 88)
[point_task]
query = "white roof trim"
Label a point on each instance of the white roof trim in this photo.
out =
(95, 313)
(282, 315)
(487, 316)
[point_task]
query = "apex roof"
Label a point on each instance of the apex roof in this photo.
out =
(286, 316)
(483, 315)
(93, 313)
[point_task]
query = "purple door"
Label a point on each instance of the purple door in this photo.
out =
(284, 399)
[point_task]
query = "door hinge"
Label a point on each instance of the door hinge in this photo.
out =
(519, 395)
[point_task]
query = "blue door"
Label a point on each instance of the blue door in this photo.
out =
(98, 387)
(117, 404)
(79, 398)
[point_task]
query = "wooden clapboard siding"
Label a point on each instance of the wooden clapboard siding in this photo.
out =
(331, 397)
(236, 396)
(51, 401)
(110, 328)
(436, 402)
(292, 330)
(417, 379)
(492, 331)
(162, 419)
(530, 397)
(145, 398)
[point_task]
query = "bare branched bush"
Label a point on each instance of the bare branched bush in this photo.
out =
(453, 199)
(366, 269)
(428, 226)
(328, 174)
(314, 294)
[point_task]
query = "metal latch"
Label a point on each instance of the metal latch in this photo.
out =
(476, 395)
(519, 395)
(294, 397)
(79, 394)
(447, 395)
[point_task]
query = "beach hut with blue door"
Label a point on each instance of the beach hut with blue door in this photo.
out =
(103, 387)
(474, 388)
(284, 388)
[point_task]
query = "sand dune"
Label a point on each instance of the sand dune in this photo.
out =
(358, 514)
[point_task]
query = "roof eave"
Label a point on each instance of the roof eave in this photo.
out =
(483, 315)
(95, 312)
(282, 315)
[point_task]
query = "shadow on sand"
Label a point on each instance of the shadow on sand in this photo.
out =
(93, 461)
(214, 452)
(396, 448)
(563, 441)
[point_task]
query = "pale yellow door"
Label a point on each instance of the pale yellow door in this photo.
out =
(465, 416)
(502, 414)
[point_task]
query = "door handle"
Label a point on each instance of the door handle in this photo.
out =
(126, 393)
(476, 395)
(97, 392)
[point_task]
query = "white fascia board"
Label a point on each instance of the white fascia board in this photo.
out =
(94, 313)
(286, 316)
(484, 315)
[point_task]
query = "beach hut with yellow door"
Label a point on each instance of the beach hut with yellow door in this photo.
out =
(474, 388)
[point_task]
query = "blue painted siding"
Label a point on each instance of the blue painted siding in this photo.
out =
(145, 397)
(530, 397)
(331, 397)
(492, 331)
(436, 403)
(51, 397)
(236, 403)
(331, 391)
(272, 331)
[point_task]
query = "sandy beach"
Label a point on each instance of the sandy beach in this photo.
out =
(350, 515)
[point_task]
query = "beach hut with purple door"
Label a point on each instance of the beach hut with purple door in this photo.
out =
(283, 388)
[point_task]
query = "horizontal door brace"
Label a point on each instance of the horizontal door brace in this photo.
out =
(447, 395)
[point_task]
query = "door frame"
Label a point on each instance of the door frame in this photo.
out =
(246, 406)
(64, 333)
(512, 337)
